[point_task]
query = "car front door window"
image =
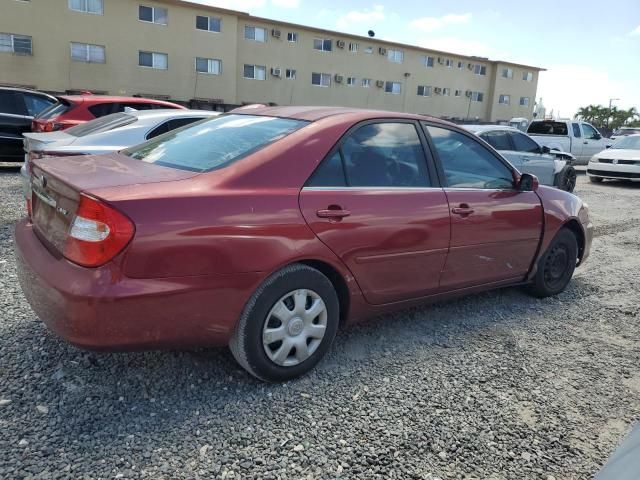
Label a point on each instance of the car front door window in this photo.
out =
(590, 133)
(468, 164)
(524, 144)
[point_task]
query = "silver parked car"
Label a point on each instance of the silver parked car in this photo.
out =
(552, 167)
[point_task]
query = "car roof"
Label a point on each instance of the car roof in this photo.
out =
(27, 90)
(312, 113)
(111, 99)
(487, 128)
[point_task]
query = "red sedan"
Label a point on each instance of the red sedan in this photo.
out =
(266, 228)
(72, 110)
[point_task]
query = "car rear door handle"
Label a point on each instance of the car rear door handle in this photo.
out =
(333, 213)
(463, 210)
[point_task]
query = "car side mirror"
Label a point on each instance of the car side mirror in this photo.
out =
(546, 149)
(597, 136)
(528, 183)
(608, 146)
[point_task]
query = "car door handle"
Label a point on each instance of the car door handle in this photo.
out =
(462, 210)
(333, 213)
(585, 143)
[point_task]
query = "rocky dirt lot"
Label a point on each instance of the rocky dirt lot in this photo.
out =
(495, 386)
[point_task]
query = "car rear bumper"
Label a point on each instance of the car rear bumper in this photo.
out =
(610, 170)
(99, 308)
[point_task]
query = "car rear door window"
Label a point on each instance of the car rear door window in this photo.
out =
(102, 109)
(386, 154)
(498, 140)
(576, 130)
(172, 124)
(523, 143)
(467, 163)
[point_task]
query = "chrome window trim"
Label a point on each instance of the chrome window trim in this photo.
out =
(362, 189)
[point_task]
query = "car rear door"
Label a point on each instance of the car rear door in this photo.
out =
(495, 229)
(376, 203)
(14, 120)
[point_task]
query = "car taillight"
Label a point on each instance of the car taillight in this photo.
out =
(97, 234)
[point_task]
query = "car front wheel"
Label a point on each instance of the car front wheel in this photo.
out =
(567, 179)
(556, 266)
(288, 324)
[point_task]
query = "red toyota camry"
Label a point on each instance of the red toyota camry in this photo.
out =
(266, 228)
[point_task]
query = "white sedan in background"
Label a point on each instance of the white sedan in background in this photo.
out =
(619, 162)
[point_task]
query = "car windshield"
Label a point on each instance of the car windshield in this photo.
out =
(54, 110)
(102, 124)
(627, 143)
(214, 143)
(548, 128)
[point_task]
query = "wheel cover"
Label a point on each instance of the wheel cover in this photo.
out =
(294, 328)
(556, 266)
(570, 182)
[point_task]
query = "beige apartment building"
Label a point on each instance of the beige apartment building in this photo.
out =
(209, 57)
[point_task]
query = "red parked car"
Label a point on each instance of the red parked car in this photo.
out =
(73, 110)
(266, 228)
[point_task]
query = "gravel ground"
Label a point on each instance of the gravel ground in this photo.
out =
(495, 386)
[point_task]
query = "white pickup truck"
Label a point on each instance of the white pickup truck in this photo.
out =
(579, 138)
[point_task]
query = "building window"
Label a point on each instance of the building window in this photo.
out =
(460, 65)
(480, 69)
(524, 101)
(446, 92)
(458, 93)
(211, 24)
(322, 44)
(393, 87)
(255, 72)
(351, 81)
(87, 6)
(290, 73)
(292, 37)
(395, 56)
(84, 52)
(448, 63)
(152, 15)
(427, 61)
(504, 99)
(321, 79)
(477, 96)
(353, 47)
(19, 44)
(507, 73)
(366, 82)
(368, 50)
(424, 91)
(159, 61)
(257, 34)
(211, 66)
(527, 76)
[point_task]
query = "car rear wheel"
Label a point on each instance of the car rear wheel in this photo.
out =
(288, 324)
(567, 179)
(596, 179)
(556, 266)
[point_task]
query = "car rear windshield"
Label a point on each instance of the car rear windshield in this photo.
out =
(54, 110)
(102, 124)
(548, 128)
(214, 143)
(627, 143)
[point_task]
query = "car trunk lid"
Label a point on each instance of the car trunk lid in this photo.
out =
(57, 184)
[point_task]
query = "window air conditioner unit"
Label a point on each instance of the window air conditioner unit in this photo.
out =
(438, 90)
(276, 71)
(440, 60)
(276, 33)
(340, 44)
(470, 66)
(379, 83)
(382, 50)
(338, 78)
(468, 93)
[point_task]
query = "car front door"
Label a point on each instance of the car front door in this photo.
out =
(376, 203)
(14, 120)
(533, 160)
(592, 143)
(500, 140)
(495, 228)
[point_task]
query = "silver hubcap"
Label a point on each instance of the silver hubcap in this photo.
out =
(294, 328)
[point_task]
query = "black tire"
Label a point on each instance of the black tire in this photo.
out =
(247, 342)
(556, 266)
(595, 179)
(567, 179)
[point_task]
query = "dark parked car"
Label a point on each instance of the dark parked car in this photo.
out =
(266, 228)
(18, 106)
